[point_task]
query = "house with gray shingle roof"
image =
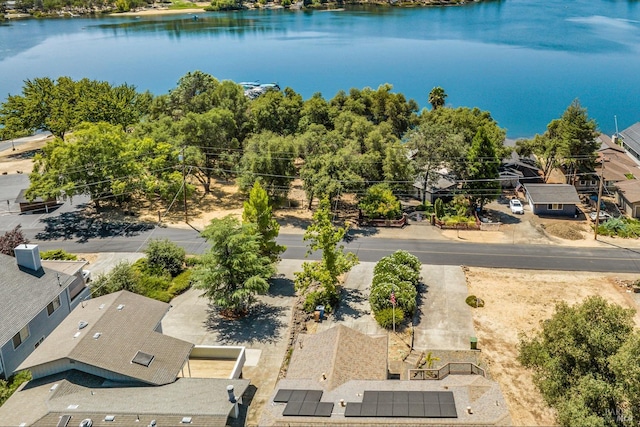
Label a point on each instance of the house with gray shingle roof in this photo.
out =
(36, 297)
(339, 377)
(630, 140)
(552, 199)
(109, 362)
(628, 197)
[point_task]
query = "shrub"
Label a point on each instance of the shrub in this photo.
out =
(474, 301)
(422, 207)
(380, 202)
(58, 254)
(385, 317)
(401, 264)
(322, 297)
(166, 255)
(439, 208)
(192, 261)
(405, 293)
(8, 387)
(180, 283)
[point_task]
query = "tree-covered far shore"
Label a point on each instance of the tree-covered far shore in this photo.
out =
(66, 8)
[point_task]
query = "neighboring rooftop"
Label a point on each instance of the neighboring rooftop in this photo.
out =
(41, 286)
(630, 189)
(342, 354)
(552, 193)
(117, 327)
(631, 139)
(80, 395)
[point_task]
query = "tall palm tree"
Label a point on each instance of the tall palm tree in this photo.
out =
(437, 97)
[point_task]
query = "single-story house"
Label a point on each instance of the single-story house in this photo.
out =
(36, 297)
(630, 140)
(514, 171)
(109, 362)
(628, 197)
(552, 199)
(333, 380)
(441, 188)
(36, 204)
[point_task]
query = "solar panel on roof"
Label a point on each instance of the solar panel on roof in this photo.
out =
(313, 395)
(412, 404)
(324, 409)
(292, 408)
(64, 420)
(297, 395)
(282, 396)
(308, 408)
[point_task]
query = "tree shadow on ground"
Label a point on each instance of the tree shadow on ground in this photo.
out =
(263, 324)
(504, 218)
(293, 221)
(423, 288)
(84, 226)
(351, 305)
(281, 286)
(356, 233)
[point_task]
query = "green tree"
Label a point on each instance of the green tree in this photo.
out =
(59, 106)
(268, 158)
(257, 211)
(165, 255)
(97, 161)
(323, 236)
(278, 112)
(438, 208)
(482, 163)
(437, 97)
(575, 359)
(625, 364)
(11, 239)
(212, 137)
(434, 151)
(379, 202)
(233, 271)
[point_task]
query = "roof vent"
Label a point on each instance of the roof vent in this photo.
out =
(97, 335)
(120, 307)
(143, 359)
(82, 324)
(186, 420)
(110, 418)
(76, 335)
(54, 387)
(152, 423)
(101, 307)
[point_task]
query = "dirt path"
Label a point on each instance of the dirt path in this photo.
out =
(517, 301)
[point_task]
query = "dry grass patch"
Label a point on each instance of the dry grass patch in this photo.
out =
(517, 301)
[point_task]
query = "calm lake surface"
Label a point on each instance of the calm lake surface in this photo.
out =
(523, 60)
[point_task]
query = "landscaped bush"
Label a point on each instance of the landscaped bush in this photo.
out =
(473, 301)
(166, 255)
(180, 283)
(58, 255)
(322, 297)
(8, 387)
(620, 227)
(425, 207)
(385, 317)
(405, 293)
(380, 202)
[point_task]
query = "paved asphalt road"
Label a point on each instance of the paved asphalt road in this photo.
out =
(536, 257)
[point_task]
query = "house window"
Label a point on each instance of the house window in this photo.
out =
(554, 207)
(53, 305)
(593, 183)
(20, 337)
(38, 343)
(583, 183)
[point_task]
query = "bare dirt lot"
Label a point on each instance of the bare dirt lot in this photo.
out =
(516, 302)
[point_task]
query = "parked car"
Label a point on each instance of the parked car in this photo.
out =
(86, 275)
(603, 216)
(516, 206)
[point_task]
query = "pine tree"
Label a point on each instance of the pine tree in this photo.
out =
(257, 211)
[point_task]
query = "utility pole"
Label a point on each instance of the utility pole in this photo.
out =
(595, 236)
(184, 185)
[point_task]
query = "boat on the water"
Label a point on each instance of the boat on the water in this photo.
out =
(253, 90)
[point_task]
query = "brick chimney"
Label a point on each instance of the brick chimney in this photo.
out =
(28, 256)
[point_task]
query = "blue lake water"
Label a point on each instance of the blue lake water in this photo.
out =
(523, 60)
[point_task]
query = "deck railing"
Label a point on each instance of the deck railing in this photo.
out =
(452, 368)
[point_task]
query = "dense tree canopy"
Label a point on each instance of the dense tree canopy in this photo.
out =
(585, 363)
(59, 106)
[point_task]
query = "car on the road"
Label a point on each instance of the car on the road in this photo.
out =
(516, 206)
(604, 216)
